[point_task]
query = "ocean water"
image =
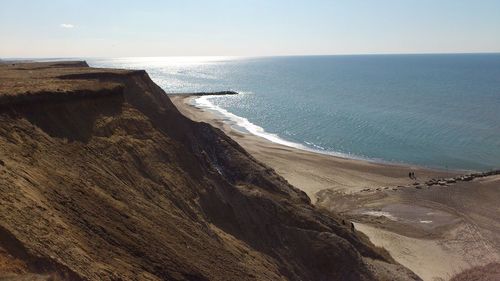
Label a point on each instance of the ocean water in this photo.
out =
(431, 110)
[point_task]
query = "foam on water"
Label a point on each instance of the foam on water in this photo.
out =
(429, 110)
(204, 103)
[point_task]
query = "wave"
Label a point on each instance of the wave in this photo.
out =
(205, 103)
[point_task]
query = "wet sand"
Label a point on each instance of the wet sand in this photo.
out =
(436, 231)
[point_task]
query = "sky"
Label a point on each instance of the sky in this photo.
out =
(132, 28)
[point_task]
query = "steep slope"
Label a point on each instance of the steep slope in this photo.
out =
(101, 178)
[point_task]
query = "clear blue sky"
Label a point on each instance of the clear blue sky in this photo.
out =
(75, 28)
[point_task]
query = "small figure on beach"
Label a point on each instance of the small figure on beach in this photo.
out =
(409, 175)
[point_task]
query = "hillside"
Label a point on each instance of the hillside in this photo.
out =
(101, 178)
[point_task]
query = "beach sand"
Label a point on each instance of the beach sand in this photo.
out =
(310, 171)
(435, 231)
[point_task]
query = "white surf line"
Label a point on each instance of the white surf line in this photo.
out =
(204, 103)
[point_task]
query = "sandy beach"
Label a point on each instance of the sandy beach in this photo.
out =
(250, 140)
(309, 171)
(102, 178)
(435, 231)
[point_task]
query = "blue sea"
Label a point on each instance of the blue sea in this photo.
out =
(440, 111)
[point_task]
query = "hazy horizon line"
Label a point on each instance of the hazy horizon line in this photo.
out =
(256, 56)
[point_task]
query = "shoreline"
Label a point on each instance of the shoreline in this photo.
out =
(438, 227)
(189, 97)
(313, 171)
(127, 183)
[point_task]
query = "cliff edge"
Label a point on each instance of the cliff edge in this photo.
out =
(101, 178)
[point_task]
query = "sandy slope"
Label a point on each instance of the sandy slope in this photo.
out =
(101, 178)
(436, 231)
(310, 171)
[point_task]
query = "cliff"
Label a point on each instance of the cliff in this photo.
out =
(101, 178)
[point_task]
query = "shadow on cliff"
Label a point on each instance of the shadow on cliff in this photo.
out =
(144, 193)
(73, 119)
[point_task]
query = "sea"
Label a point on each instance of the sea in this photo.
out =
(432, 110)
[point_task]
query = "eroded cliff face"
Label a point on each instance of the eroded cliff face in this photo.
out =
(101, 178)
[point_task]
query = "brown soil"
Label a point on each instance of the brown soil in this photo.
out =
(101, 178)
